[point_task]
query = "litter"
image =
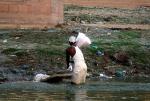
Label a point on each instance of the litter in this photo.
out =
(101, 75)
(5, 41)
(40, 77)
(82, 40)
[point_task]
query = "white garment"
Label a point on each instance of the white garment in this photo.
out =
(80, 67)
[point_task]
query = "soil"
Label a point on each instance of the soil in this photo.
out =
(120, 44)
(110, 3)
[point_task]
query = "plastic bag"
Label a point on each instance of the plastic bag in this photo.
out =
(82, 40)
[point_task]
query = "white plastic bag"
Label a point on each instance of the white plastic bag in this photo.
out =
(82, 40)
(40, 77)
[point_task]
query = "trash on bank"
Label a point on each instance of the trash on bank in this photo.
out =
(120, 73)
(82, 40)
(5, 41)
(40, 77)
(99, 53)
(94, 46)
(17, 38)
(108, 33)
(104, 76)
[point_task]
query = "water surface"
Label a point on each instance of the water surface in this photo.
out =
(91, 91)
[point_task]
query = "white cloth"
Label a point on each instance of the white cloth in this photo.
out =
(79, 67)
(70, 68)
(82, 40)
(40, 77)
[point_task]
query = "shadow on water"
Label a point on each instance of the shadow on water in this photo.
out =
(91, 91)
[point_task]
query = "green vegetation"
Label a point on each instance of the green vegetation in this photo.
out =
(14, 51)
(108, 15)
(123, 40)
(48, 47)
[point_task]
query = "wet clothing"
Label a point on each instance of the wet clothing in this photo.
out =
(79, 65)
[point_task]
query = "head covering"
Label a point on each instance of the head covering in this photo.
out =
(72, 39)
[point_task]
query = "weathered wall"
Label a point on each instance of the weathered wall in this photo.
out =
(110, 3)
(30, 13)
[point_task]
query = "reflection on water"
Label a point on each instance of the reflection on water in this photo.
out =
(77, 96)
(92, 91)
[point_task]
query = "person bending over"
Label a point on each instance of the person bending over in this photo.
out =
(75, 62)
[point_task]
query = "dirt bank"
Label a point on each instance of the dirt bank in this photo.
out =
(110, 3)
(114, 50)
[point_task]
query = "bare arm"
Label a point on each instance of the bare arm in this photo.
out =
(70, 52)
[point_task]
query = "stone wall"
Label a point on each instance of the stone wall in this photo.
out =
(110, 3)
(30, 13)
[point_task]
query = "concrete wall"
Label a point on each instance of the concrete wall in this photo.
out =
(30, 13)
(110, 3)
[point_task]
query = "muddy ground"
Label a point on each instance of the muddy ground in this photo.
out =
(26, 52)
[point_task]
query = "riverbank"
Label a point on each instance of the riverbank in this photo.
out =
(117, 52)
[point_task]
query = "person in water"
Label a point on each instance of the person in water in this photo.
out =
(75, 60)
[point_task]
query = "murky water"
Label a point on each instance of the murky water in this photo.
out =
(91, 91)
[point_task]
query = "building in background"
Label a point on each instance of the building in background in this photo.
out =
(30, 13)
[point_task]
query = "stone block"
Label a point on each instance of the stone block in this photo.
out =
(4, 8)
(31, 13)
(13, 8)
